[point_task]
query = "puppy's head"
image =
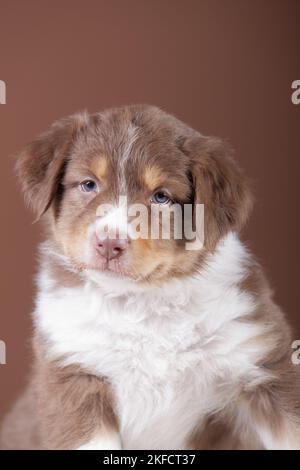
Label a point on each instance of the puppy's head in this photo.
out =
(85, 174)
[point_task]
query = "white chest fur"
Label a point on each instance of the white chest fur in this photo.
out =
(172, 354)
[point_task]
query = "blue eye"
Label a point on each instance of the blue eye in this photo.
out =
(160, 198)
(88, 186)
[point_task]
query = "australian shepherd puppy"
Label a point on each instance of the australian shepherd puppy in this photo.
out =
(141, 342)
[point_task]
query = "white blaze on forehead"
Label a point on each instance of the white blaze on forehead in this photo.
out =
(131, 137)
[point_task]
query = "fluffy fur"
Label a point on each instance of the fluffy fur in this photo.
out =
(169, 349)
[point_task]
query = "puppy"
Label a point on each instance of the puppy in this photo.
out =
(142, 342)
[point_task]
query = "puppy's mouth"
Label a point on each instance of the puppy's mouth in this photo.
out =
(112, 267)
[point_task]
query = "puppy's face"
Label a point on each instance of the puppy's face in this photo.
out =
(95, 221)
(87, 173)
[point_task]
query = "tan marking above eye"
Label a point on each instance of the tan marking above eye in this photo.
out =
(154, 177)
(99, 166)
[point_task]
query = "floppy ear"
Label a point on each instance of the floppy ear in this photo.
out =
(220, 185)
(41, 165)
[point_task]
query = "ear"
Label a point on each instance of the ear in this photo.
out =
(220, 185)
(41, 165)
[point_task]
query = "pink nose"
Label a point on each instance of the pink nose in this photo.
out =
(111, 248)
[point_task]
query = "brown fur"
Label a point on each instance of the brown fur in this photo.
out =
(72, 403)
(85, 399)
(192, 167)
(219, 185)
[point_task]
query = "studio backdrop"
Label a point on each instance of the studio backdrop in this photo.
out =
(226, 67)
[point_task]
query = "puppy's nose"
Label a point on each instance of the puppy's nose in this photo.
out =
(112, 248)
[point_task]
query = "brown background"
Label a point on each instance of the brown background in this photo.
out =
(225, 67)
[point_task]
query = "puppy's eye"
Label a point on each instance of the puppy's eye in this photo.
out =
(88, 186)
(160, 198)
